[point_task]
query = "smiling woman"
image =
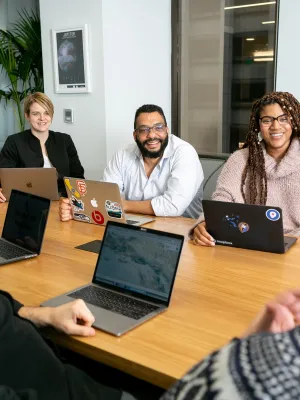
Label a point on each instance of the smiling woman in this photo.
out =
(39, 146)
(267, 170)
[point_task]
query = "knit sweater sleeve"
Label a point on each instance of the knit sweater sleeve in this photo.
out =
(250, 368)
(229, 182)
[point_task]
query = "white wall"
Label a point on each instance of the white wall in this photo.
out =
(88, 129)
(137, 63)
(130, 65)
(288, 58)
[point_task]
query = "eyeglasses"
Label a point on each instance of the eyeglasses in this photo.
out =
(145, 130)
(268, 121)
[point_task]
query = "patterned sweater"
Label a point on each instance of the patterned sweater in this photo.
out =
(264, 366)
(283, 184)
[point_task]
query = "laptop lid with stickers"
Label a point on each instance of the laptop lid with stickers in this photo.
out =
(246, 226)
(97, 202)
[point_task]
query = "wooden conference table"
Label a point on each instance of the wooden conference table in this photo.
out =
(216, 293)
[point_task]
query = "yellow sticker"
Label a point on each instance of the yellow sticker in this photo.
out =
(72, 190)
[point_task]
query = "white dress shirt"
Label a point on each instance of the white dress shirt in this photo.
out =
(47, 163)
(174, 186)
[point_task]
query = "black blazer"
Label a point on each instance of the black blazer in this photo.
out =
(23, 150)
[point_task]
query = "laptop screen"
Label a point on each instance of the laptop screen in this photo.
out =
(26, 220)
(139, 260)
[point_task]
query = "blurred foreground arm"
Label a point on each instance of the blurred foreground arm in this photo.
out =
(263, 365)
(280, 315)
(72, 318)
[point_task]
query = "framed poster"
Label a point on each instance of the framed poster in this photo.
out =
(71, 60)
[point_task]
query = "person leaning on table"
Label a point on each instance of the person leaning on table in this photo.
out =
(30, 369)
(263, 364)
(40, 147)
(160, 174)
(265, 171)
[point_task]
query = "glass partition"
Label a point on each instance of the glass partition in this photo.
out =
(227, 61)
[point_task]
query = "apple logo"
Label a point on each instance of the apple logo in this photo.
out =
(29, 185)
(94, 203)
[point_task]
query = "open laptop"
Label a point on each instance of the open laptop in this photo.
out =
(133, 278)
(247, 226)
(98, 202)
(39, 181)
(24, 227)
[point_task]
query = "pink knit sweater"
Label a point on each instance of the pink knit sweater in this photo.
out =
(283, 184)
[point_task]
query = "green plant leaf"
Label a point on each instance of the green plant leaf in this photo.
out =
(21, 61)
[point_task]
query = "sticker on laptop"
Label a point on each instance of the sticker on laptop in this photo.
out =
(94, 203)
(81, 186)
(77, 204)
(232, 220)
(113, 209)
(243, 227)
(70, 187)
(82, 217)
(273, 215)
(98, 217)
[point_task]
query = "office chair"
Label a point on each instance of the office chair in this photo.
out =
(212, 166)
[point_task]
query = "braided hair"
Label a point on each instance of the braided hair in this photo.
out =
(255, 167)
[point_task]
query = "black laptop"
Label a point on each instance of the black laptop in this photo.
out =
(24, 227)
(247, 226)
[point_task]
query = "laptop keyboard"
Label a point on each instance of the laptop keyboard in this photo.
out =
(131, 222)
(9, 251)
(114, 302)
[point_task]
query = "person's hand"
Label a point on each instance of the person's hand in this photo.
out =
(2, 197)
(65, 209)
(73, 318)
(202, 237)
(280, 315)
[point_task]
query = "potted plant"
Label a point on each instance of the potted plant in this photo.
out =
(21, 62)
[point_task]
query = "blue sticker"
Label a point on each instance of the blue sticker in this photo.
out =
(273, 215)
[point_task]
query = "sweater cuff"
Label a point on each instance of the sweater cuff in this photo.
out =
(15, 304)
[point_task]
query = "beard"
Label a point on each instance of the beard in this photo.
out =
(152, 154)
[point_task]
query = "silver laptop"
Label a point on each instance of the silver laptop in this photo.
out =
(24, 227)
(39, 181)
(133, 278)
(98, 202)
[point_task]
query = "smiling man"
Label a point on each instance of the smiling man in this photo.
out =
(160, 174)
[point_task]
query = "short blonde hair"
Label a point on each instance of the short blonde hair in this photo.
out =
(40, 98)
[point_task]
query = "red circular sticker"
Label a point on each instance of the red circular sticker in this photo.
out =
(98, 217)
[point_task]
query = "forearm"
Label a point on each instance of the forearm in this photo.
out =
(138, 207)
(199, 220)
(39, 316)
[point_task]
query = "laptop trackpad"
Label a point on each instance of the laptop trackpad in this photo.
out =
(111, 322)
